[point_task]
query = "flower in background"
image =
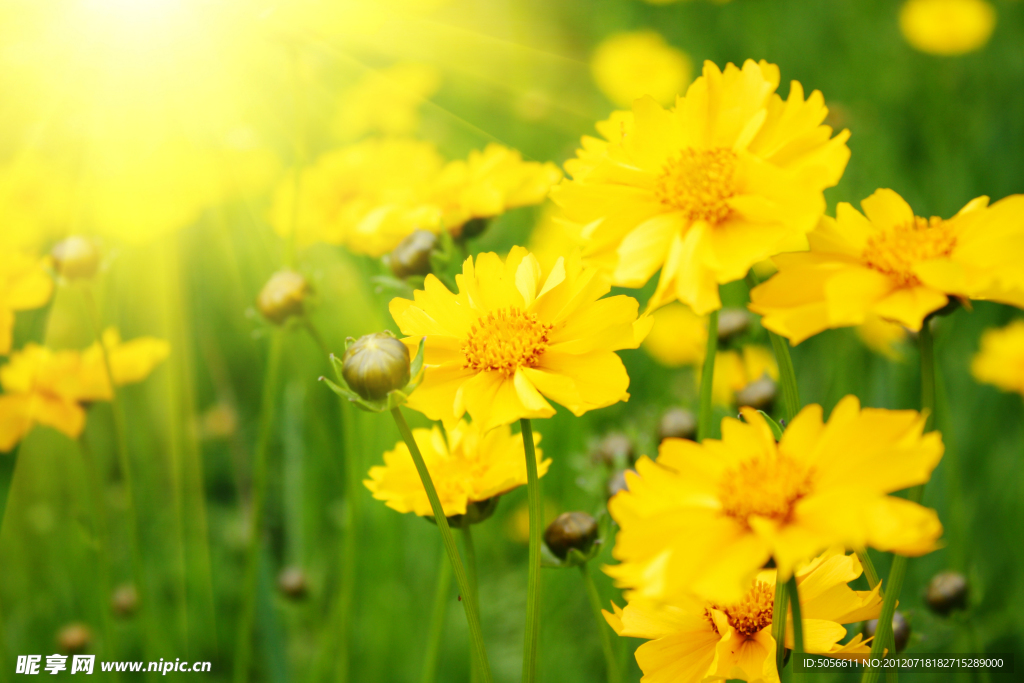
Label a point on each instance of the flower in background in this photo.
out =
(692, 640)
(1001, 359)
(514, 337)
(730, 176)
(736, 370)
(882, 336)
(627, 66)
(24, 285)
(553, 238)
(894, 265)
(385, 101)
(35, 201)
(706, 517)
(947, 27)
(488, 183)
(678, 337)
(130, 362)
(466, 465)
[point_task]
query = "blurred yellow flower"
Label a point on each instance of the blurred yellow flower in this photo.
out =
(24, 285)
(882, 337)
(706, 517)
(130, 362)
(678, 337)
(627, 66)
(894, 265)
(553, 238)
(467, 466)
(385, 101)
(730, 176)
(947, 27)
(692, 640)
(734, 370)
(490, 182)
(514, 335)
(35, 202)
(1001, 358)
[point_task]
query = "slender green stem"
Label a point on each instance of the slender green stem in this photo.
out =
(611, 662)
(468, 600)
(870, 573)
(436, 633)
(787, 375)
(532, 635)
(467, 543)
(780, 612)
(926, 345)
(798, 621)
(268, 403)
(707, 379)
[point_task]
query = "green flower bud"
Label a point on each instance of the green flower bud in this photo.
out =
(947, 591)
(614, 450)
(571, 530)
(76, 258)
(376, 364)
(759, 394)
(677, 423)
(900, 630)
(732, 322)
(292, 583)
(476, 512)
(283, 297)
(412, 255)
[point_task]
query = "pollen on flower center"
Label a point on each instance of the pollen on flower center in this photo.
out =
(897, 250)
(767, 487)
(699, 182)
(505, 340)
(752, 613)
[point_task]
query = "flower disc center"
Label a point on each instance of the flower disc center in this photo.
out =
(699, 182)
(505, 340)
(751, 614)
(897, 250)
(766, 487)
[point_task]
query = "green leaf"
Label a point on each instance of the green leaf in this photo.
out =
(776, 429)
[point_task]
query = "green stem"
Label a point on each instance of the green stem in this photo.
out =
(532, 634)
(798, 621)
(707, 379)
(926, 344)
(436, 633)
(870, 573)
(268, 402)
(468, 601)
(883, 632)
(787, 375)
(611, 663)
(467, 542)
(780, 612)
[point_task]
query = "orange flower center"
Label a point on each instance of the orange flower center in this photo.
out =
(897, 250)
(751, 614)
(699, 182)
(767, 487)
(505, 340)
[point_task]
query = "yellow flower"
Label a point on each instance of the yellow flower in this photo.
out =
(679, 337)
(947, 27)
(514, 335)
(734, 370)
(707, 516)
(894, 265)
(730, 176)
(467, 467)
(627, 66)
(366, 196)
(35, 201)
(882, 337)
(130, 362)
(553, 238)
(385, 101)
(692, 640)
(489, 183)
(24, 285)
(1001, 358)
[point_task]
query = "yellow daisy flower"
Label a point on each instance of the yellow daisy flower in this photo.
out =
(892, 264)
(692, 640)
(1001, 359)
(515, 336)
(24, 285)
(731, 175)
(466, 465)
(627, 66)
(947, 27)
(386, 101)
(705, 517)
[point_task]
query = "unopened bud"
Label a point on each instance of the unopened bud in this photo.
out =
(375, 365)
(476, 512)
(947, 591)
(412, 255)
(74, 638)
(677, 423)
(617, 483)
(292, 583)
(732, 322)
(614, 450)
(571, 530)
(900, 630)
(759, 394)
(125, 600)
(283, 297)
(76, 258)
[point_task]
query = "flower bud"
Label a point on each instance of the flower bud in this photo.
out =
(474, 227)
(283, 296)
(947, 591)
(618, 483)
(732, 322)
(677, 423)
(375, 365)
(477, 511)
(125, 600)
(759, 394)
(900, 630)
(76, 257)
(412, 255)
(74, 638)
(614, 450)
(571, 530)
(292, 583)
